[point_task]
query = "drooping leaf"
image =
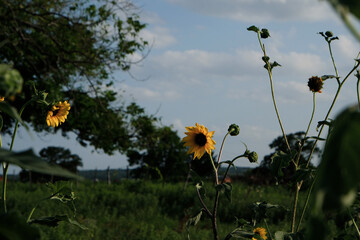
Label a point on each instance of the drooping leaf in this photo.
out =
(279, 161)
(194, 220)
(53, 221)
(225, 188)
(29, 161)
(260, 209)
(239, 233)
(12, 112)
(253, 28)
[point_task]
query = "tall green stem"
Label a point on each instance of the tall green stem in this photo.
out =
(354, 222)
(306, 203)
(298, 184)
(357, 91)
(273, 93)
(216, 202)
(6, 165)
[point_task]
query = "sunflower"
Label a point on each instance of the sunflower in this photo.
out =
(58, 114)
(2, 99)
(199, 139)
(315, 84)
(261, 232)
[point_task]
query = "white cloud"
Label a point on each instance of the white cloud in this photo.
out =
(259, 11)
(158, 37)
(146, 93)
(305, 63)
(347, 47)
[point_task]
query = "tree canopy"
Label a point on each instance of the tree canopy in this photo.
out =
(70, 50)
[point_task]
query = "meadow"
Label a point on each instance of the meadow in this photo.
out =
(148, 210)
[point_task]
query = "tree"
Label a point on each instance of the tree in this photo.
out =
(268, 167)
(56, 156)
(70, 49)
(161, 151)
(278, 144)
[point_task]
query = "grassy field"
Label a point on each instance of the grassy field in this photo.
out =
(135, 210)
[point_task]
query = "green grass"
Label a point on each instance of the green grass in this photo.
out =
(134, 210)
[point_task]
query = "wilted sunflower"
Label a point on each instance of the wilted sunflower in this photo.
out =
(58, 114)
(261, 232)
(199, 139)
(315, 84)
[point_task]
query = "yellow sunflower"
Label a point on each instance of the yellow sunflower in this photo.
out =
(199, 139)
(261, 232)
(2, 99)
(58, 114)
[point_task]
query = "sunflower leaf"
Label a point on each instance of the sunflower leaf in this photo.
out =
(12, 112)
(29, 161)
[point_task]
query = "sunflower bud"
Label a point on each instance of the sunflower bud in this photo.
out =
(315, 84)
(329, 34)
(234, 130)
(10, 81)
(264, 33)
(252, 156)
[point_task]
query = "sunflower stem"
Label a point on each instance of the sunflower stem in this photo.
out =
(267, 227)
(354, 222)
(6, 165)
(268, 68)
(298, 184)
(215, 170)
(357, 91)
(221, 148)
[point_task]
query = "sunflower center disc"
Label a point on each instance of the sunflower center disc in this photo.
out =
(200, 139)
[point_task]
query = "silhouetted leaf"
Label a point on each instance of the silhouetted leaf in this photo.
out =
(338, 176)
(29, 161)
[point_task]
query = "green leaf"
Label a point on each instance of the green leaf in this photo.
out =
(241, 234)
(324, 77)
(14, 227)
(275, 64)
(194, 220)
(259, 210)
(225, 188)
(279, 161)
(241, 222)
(338, 172)
(253, 28)
(53, 221)
(229, 162)
(61, 191)
(316, 138)
(264, 33)
(320, 123)
(29, 161)
(303, 175)
(12, 112)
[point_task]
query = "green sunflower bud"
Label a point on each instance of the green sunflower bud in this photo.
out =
(329, 34)
(234, 130)
(264, 33)
(253, 157)
(10, 81)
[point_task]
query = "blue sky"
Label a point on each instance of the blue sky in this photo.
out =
(205, 67)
